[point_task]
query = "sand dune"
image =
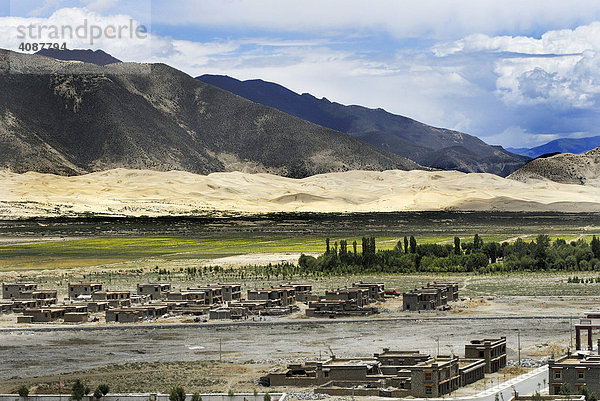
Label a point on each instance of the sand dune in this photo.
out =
(142, 192)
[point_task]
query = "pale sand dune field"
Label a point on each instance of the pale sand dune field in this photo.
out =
(151, 193)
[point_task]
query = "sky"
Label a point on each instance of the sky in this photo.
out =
(514, 73)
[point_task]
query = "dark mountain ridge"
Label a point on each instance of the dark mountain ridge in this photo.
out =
(428, 146)
(562, 145)
(97, 57)
(73, 118)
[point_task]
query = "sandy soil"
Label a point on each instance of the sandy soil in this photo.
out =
(141, 192)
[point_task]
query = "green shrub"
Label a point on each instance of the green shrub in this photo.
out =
(103, 389)
(78, 390)
(177, 394)
(23, 391)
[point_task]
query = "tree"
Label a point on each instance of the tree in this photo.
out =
(267, 397)
(354, 246)
(537, 396)
(23, 391)
(457, 246)
(413, 244)
(405, 244)
(97, 393)
(565, 389)
(196, 397)
(177, 394)
(595, 245)
(327, 249)
(78, 390)
(477, 242)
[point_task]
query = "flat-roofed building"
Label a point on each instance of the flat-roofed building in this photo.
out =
(425, 299)
(436, 377)
(231, 292)
(115, 299)
(226, 312)
(40, 294)
(196, 296)
(471, 370)
(360, 296)
(75, 317)
(129, 315)
(14, 290)
(376, 290)
(276, 296)
(492, 351)
(449, 290)
(577, 371)
(43, 315)
(213, 294)
(400, 358)
(155, 291)
(83, 288)
(301, 291)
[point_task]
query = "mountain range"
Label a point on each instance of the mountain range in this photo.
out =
(562, 145)
(565, 168)
(429, 146)
(71, 118)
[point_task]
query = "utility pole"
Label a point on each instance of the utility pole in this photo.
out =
(519, 344)
(571, 330)
(437, 339)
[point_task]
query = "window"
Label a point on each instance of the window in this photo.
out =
(557, 374)
(481, 354)
(427, 375)
(428, 390)
(580, 374)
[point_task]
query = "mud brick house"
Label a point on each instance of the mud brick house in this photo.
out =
(83, 288)
(155, 291)
(492, 351)
(14, 290)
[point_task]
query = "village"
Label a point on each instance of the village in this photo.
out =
(90, 301)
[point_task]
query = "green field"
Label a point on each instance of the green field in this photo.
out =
(116, 251)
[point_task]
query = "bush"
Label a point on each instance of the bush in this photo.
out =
(177, 394)
(97, 393)
(78, 390)
(196, 397)
(23, 391)
(103, 389)
(267, 397)
(230, 393)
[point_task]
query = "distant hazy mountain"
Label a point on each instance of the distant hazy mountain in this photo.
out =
(428, 146)
(565, 168)
(563, 145)
(55, 119)
(97, 57)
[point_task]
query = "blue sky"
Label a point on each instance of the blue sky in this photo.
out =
(515, 73)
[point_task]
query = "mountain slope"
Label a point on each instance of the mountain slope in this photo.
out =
(71, 118)
(429, 146)
(564, 168)
(562, 145)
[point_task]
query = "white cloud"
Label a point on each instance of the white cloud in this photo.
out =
(440, 19)
(99, 6)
